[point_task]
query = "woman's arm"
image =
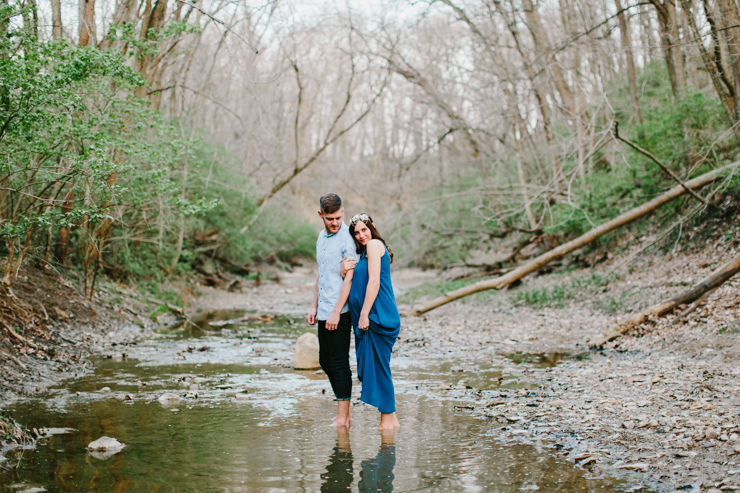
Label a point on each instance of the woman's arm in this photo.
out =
(375, 250)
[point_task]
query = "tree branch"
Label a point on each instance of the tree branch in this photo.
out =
(662, 166)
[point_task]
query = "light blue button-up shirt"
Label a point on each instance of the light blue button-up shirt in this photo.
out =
(330, 250)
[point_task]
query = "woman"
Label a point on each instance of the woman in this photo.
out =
(375, 318)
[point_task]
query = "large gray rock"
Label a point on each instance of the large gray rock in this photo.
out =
(307, 352)
(169, 398)
(105, 443)
(105, 447)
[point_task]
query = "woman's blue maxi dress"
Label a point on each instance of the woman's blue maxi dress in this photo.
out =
(374, 345)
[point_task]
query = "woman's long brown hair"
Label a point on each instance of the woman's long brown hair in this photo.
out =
(373, 231)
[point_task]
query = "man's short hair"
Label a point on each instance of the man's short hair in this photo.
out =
(330, 203)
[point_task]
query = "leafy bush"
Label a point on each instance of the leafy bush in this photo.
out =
(93, 178)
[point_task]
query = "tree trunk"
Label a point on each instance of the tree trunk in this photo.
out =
(31, 20)
(624, 29)
(715, 30)
(539, 94)
(56, 18)
(649, 45)
(457, 122)
(523, 182)
(148, 64)
(564, 249)
(125, 12)
(728, 102)
(494, 52)
(671, 45)
(731, 19)
(62, 247)
(542, 46)
(87, 23)
(698, 290)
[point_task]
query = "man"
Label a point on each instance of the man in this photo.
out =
(329, 307)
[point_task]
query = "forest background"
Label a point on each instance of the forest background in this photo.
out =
(151, 139)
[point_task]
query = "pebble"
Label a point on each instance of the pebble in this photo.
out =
(105, 389)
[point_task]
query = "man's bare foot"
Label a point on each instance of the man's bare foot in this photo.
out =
(343, 418)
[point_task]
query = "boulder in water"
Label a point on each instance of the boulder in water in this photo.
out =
(169, 398)
(105, 443)
(307, 352)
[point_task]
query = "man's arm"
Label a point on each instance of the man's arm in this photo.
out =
(311, 318)
(333, 321)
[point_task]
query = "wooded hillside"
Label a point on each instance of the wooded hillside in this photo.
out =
(144, 139)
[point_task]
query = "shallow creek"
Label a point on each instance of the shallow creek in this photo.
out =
(275, 436)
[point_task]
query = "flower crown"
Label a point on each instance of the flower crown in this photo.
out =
(362, 216)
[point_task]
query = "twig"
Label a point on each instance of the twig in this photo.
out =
(20, 337)
(660, 237)
(15, 360)
(667, 170)
(192, 5)
(495, 272)
(46, 315)
(681, 316)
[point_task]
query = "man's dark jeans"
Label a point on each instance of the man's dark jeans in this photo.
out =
(334, 355)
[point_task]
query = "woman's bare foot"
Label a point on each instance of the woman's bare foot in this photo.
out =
(388, 421)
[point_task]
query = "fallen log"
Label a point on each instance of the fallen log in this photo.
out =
(564, 249)
(703, 287)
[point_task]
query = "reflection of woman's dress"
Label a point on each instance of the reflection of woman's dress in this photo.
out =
(377, 474)
(374, 345)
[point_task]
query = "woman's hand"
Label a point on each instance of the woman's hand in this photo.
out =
(364, 322)
(347, 265)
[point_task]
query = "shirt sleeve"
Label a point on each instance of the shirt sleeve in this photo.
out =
(349, 249)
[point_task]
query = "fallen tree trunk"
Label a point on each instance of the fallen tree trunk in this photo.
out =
(577, 243)
(703, 287)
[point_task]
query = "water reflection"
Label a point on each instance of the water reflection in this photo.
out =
(338, 475)
(545, 360)
(278, 438)
(377, 473)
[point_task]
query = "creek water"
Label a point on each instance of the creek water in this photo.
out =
(276, 435)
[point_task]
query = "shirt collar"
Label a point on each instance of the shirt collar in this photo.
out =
(334, 234)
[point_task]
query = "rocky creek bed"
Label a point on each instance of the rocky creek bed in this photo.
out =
(660, 406)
